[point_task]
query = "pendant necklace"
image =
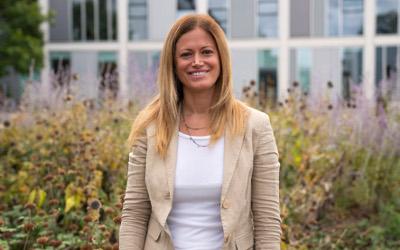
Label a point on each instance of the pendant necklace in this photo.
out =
(190, 135)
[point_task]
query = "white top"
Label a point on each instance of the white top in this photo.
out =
(195, 220)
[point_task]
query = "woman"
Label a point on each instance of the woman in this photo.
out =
(203, 172)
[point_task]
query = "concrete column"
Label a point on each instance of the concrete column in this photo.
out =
(283, 60)
(45, 72)
(122, 13)
(369, 49)
(202, 6)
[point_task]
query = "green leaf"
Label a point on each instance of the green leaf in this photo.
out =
(32, 196)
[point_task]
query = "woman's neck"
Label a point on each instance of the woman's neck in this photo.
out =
(197, 103)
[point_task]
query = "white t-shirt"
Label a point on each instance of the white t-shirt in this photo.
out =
(195, 219)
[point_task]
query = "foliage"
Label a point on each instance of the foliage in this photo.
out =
(340, 172)
(21, 39)
(61, 177)
(62, 173)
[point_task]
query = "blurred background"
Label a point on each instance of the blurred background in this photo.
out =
(75, 73)
(273, 43)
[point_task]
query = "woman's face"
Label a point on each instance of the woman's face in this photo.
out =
(197, 61)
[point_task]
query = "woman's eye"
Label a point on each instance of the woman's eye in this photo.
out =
(185, 55)
(207, 52)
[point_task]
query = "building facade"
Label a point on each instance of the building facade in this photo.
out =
(273, 42)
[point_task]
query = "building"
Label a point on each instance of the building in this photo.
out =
(274, 42)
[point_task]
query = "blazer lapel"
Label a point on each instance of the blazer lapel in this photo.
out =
(232, 148)
(170, 161)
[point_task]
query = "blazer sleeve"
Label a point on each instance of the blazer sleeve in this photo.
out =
(265, 188)
(136, 207)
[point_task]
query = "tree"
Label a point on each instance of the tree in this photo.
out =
(21, 40)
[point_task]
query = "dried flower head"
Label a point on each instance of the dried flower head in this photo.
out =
(55, 243)
(6, 123)
(42, 240)
(330, 84)
(295, 84)
(94, 204)
(28, 226)
(87, 219)
(49, 177)
(54, 202)
(30, 206)
(86, 247)
(117, 219)
(108, 210)
(330, 107)
(41, 212)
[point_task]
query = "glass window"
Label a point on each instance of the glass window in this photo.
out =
(94, 20)
(108, 74)
(268, 76)
(352, 70)
(217, 9)
(137, 19)
(267, 18)
(60, 63)
(316, 68)
(76, 20)
(103, 21)
(302, 62)
(317, 18)
(387, 74)
(387, 16)
(89, 20)
(185, 7)
(114, 23)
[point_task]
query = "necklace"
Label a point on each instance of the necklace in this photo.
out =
(190, 135)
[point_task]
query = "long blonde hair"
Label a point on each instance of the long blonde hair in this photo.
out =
(164, 109)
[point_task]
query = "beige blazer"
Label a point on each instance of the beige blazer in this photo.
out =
(249, 200)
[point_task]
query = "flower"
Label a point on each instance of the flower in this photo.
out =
(6, 123)
(42, 240)
(55, 243)
(87, 219)
(54, 202)
(117, 219)
(94, 204)
(28, 226)
(30, 206)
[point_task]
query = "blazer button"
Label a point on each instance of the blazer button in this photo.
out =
(225, 204)
(226, 239)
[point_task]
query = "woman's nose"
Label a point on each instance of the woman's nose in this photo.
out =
(197, 60)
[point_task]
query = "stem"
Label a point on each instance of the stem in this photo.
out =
(29, 232)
